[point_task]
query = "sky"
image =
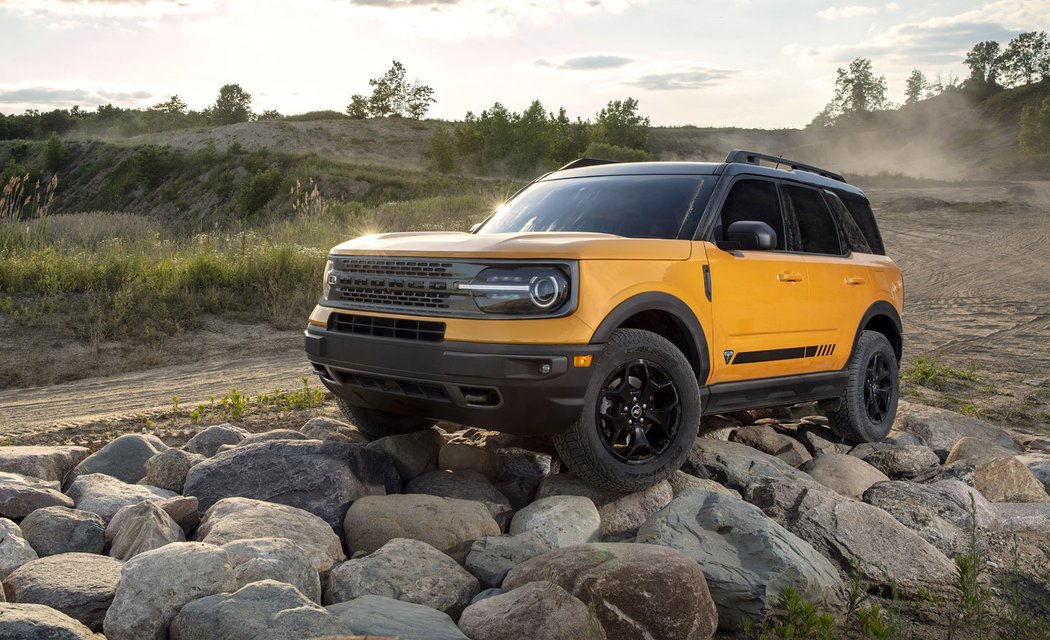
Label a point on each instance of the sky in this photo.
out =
(743, 63)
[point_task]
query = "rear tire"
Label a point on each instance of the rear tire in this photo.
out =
(866, 411)
(640, 417)
(377, 424)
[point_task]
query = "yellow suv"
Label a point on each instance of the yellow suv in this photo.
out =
(610, 305)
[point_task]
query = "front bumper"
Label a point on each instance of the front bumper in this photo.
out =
(520, 389)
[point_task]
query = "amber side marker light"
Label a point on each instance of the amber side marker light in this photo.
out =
(581, 361)
(317, 323)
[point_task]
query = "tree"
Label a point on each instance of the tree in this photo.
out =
(986, 62)
(441, 150)
(858, 90)
(358, 107)
(270, 114)
(392, 95)
(1026, 56)
(1035, 129)
(233, 105)
(173, 105)
(54, 153)
(915, 87)
(620, 124)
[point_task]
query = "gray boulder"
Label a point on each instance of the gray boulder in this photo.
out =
(208, 441)
(46, 463)
(168, 468)
(448, 524)
(736, 465)
(999, 476)
(718, 427)
(621, 513)
(926, 510)
(141, 527)
(155, 585)
(323, 478)
(273, 434)
(521, 472)
(105, 495)
(18, 478)
(123, 458)
(378, 616)
(768, 440)
(19, 499)
(36, 621)
(634, 590)
(244, 519)
(898, 462)
(14, 550)
(264, 610)
(183, 510)
(407, 570)
(464, 485)
(819, 440)
(1034, 517)
(969, 499)
(322, 428)
(562, 521)
(537, 611)
(80, 585)
(492, 557)
(680, 481)
(942, 429)
(1039, 465)
(746, 557)
(57, 530)
(277, 559)
(413, 453)
(459, 456)
(846, 474)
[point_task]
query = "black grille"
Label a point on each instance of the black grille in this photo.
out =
(394, 385)
(387, 327)
(401, 284)
(392, 298)
(408, 268)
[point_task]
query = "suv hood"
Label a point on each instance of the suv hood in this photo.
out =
(569, 246)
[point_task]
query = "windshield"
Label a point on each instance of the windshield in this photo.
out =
(649, 206)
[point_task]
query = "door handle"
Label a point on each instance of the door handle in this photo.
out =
(854, 280)
(790, 277)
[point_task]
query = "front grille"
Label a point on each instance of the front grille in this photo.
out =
(387, 327)
(394, 385)
(401, 284)
(408, 268)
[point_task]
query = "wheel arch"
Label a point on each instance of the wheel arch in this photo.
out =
(883, 318)
(666, 316)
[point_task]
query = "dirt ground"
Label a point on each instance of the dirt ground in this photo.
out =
(977, 280)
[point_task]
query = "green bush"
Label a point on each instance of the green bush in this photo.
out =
(256, 192)
(441, 150)
(151, 164)
(1035, 129)
(54, 153)
(613, 152)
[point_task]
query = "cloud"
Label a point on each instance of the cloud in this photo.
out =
(59, 97)
(686, 79)
(110, 8)
(842, 13)
(893, 6)
(586, 62)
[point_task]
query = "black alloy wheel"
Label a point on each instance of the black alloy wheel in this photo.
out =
(638, 412)
(878, 388)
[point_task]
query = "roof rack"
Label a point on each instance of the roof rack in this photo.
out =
(752, 157)
(585, 162)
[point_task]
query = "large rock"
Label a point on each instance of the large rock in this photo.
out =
(492, 557)
(155, 585)
(999, 476)
(768, 440)
(264, 610)
(36, 622)
(448, 524)
(244, 519)
(903, 462)
(820, 440)
(844, 473)
(168, 469)
(1025, 517)
(888, 553)
(14, 550)
(521, 472)
(123, 458)
(19, 499)
(928, 511)
(634, 590)
(942, 429)
(183, 510)
(277, 559)
(105, 495)
(747, 558)
(323, 478)
(413, 453)
(273, 434)
(464, 485)
(80, 585)
(57, 530)
(537, 611)
(208, 441)
(381, 617)
(141, 527)
(46, 463)
(18, 478)
(970, 500)
(680, 481)
(562, 521)
(321, 428)
(621, 513)
(736, 465)
(1039, 465)
(407, 570)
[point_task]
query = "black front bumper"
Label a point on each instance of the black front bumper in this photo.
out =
(520, 389)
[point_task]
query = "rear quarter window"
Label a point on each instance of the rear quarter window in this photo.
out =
(860, 209)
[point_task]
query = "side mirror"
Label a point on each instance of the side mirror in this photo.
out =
(750, 235)
(474, 227)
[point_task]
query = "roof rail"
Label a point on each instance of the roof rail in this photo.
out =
(752, 157)
(585, 162)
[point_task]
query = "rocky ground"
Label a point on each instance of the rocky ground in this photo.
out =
(943, 531)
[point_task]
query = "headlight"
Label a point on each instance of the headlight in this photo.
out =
(329, 278)
(518, 290)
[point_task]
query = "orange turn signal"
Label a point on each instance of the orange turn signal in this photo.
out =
(581, 361)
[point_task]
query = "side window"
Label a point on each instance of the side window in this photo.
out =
(754, 200)
(854, 236)
(817, 232)
(860, 209)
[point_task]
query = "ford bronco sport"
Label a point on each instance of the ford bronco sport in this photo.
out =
(610, 305)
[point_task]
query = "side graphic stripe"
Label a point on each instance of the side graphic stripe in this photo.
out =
(790, 353)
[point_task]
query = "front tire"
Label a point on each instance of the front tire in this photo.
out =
(377, 424)
(640, 418)
(866, 411)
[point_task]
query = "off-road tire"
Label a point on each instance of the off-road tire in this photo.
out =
(581, 446)
(852, 421)
(377, 424)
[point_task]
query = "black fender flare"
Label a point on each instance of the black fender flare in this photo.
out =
(679, 311)
(880, 308)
